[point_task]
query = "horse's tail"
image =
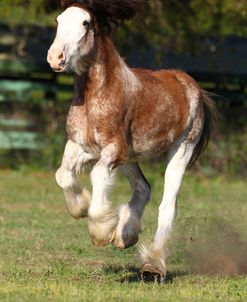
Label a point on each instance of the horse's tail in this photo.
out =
(210, 121)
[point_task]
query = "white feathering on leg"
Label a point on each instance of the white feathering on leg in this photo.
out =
(156, 259)
(103, 217)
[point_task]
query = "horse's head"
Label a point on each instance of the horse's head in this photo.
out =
(74, 39)
(77, 25)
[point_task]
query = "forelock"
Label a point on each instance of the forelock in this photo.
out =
(107, 12)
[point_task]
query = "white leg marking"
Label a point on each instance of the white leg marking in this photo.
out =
(130, 214)
(154, 254)
(102, 216)
(77, 199)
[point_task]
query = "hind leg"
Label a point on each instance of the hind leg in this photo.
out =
(153, 256)
(77, 199)
(130, 214)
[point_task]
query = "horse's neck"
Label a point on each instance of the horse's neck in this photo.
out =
(106, 64)
(108, 71)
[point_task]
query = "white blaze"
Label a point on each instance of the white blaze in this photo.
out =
(71, 30)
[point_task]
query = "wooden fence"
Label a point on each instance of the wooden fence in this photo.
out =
(26, 82)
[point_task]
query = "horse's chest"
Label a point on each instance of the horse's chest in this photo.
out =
(79, 130)
(76, 125)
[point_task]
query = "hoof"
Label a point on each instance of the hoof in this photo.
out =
(102, 228)
(102, 243)
(126, 242)
(151, 273)
(102, 240)
(77, 204)
(128, 228)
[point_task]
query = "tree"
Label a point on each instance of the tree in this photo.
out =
(159, 21)
(183, 22)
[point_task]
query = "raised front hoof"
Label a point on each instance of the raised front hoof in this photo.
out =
(128, 228)
(125, 241)
(76, 212)
(77, 203)
(102, 228)
(151, 273)
(103, 242)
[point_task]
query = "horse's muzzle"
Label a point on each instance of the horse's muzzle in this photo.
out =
(56, 59)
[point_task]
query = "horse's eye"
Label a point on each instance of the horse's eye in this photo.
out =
(85, 23)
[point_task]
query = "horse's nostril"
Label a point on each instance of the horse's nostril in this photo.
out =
(56, 58)
(62, 63)
(61, 56)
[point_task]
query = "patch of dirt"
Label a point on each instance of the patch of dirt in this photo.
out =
(221, 251)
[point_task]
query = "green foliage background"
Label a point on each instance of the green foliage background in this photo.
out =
(182, 24)
(181, 20)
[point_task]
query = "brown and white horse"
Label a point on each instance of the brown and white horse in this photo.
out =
(117, 117)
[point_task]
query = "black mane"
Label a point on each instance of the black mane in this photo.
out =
(107, 12)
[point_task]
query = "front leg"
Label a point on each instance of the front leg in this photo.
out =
(103, 217)
(77, 199)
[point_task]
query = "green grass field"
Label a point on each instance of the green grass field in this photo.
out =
(45, 255)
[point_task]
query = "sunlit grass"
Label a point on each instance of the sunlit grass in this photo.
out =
(46, 255)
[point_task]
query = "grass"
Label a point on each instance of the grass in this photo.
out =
(46, 255)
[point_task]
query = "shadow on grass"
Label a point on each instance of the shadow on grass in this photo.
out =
(131, 274)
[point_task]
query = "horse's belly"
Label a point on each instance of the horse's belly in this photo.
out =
(142, 150)
(152, 142)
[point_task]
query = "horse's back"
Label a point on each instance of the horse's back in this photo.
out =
(162, 108)
(172, 89)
